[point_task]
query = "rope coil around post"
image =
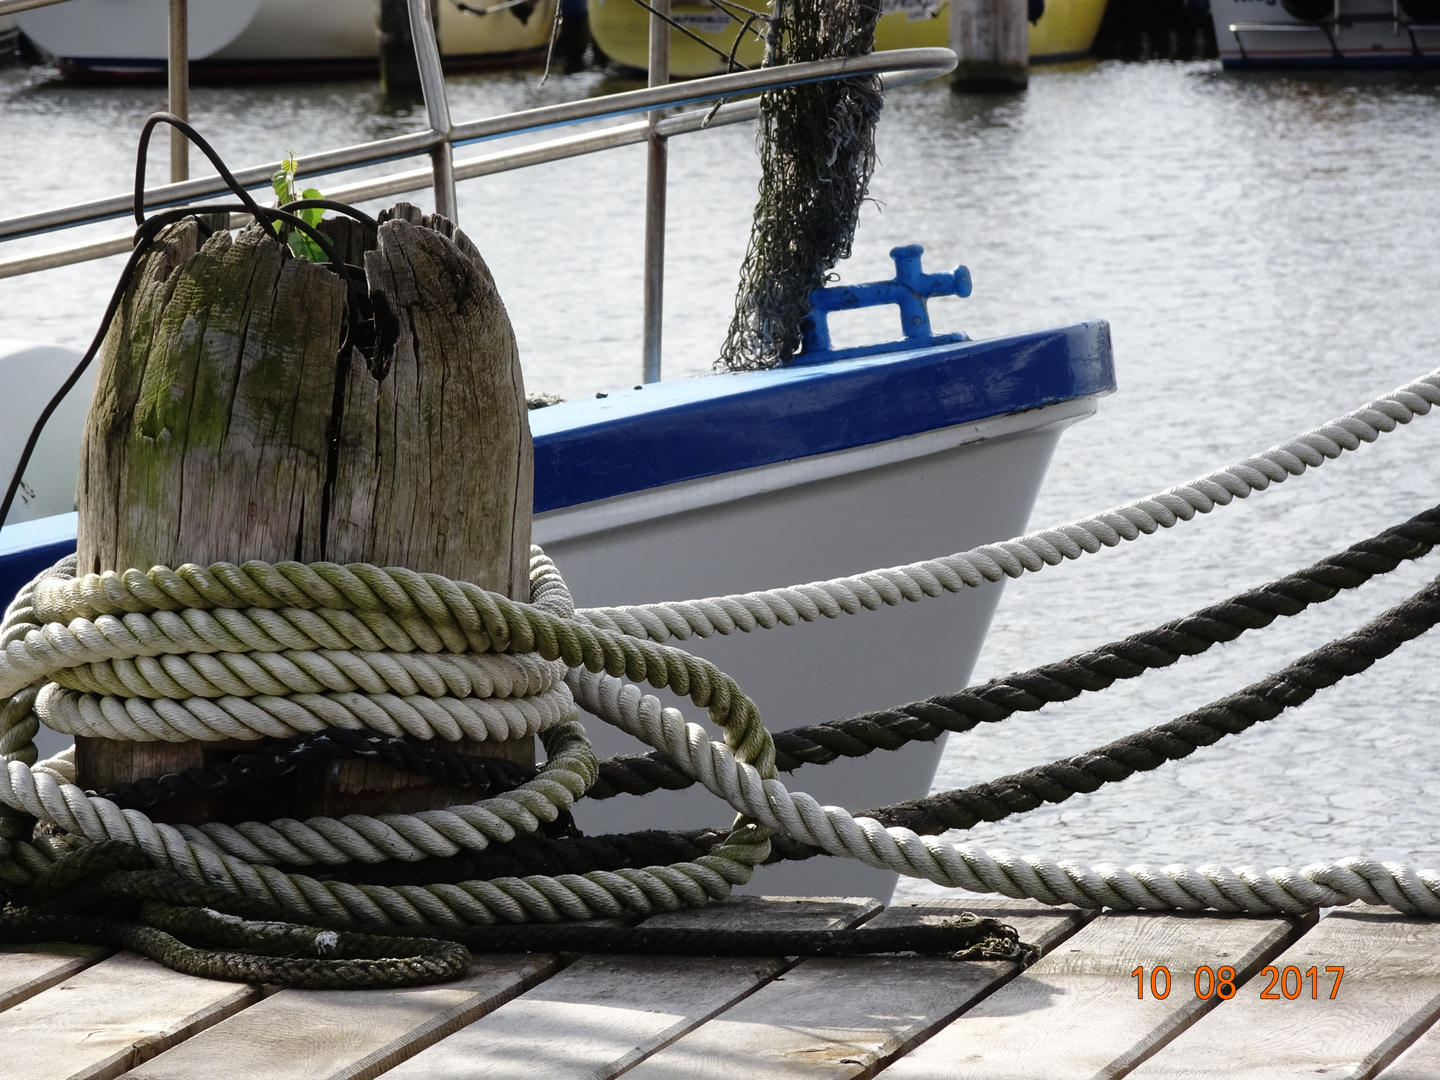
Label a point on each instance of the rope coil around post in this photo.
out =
(237, 859)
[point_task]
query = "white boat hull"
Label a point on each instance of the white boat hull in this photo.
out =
(733, 483)
(821, 517)
(31, 373)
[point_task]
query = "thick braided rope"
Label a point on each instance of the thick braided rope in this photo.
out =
(889, 844)
(1244, 889)
(58, 623)
(1143, 751)
(1032, 552)
(1090, 671)
(64, 623)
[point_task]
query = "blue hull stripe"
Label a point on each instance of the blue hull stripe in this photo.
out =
(686, 429)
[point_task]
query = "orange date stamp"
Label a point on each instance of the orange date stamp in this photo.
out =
(1286, 983)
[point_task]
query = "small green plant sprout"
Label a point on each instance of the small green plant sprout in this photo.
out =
(284, 184)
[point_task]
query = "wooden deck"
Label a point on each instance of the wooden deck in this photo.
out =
(70, 1011)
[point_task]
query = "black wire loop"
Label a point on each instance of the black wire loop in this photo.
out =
(357, 329)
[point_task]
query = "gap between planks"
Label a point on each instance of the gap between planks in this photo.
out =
(1076, 1015)
(849, 1017)
(1388, 996)
(603, 1014)
(110, 1017)
(26, 970)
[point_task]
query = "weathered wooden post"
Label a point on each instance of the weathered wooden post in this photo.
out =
(992, 40)
(226, 426)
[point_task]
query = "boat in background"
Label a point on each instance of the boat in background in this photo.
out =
(31, 373)
(242, 40)
(1327, 33)
(621, 29)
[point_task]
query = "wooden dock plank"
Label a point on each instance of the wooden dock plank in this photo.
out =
(604, 1013)
(1076, 1013)
(1420, 1062)
(110, 1017)
(846, 1017)
(25, 970)
(1390, 992)
(349, 1034)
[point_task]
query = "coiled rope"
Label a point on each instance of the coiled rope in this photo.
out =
(175, 625)
(95, 646)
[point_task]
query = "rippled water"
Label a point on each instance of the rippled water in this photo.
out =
(1265, 248)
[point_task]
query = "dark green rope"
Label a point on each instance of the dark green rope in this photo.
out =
(106, 893)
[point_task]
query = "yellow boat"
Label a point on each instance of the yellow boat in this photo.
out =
(621, 28)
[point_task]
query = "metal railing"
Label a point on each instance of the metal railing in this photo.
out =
(10, 7)
(896, 68)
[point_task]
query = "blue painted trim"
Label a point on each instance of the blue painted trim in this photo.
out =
(31, 546)
(685, 429)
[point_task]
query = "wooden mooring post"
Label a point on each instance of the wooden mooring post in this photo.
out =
(226, 426)
(992, 40)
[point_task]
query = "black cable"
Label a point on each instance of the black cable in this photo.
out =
(145, 233)
(694, 37)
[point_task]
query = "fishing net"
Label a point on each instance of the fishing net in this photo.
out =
(817, 153)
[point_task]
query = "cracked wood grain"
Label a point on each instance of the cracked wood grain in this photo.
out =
(226, 426)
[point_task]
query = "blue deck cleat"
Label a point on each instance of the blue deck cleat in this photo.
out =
(909, 288)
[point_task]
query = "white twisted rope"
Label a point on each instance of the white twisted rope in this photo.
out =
(1011, 558)
(118, 687)
(834, 830)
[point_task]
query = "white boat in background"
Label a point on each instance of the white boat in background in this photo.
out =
(733, 483)
(1327, 33)
(233, 40)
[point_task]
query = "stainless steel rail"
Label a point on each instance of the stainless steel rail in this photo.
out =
(10, 7)
(399, 183)
(657, 157)
(897, 68)
(437, 106)
(177, 76)
(919, 64)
